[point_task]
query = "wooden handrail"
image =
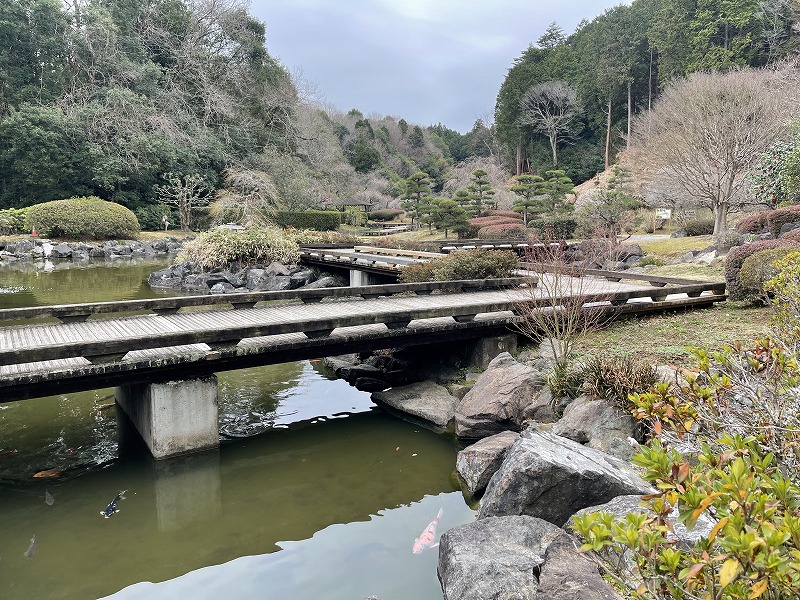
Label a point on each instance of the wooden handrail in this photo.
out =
(79, 312)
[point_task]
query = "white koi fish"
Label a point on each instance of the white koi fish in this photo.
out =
(425, 540)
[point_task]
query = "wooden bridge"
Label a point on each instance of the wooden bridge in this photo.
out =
(101, 344)
(163, 362)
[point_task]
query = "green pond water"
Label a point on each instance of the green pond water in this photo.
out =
(314, 492)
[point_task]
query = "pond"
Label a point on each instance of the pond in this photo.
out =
(314, 492)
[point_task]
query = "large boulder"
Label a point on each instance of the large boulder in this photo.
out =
(325, 282)
(569, 575)
(425, 400)
(497, 400)
(494, 558)
(598, 425)
(551, 477)
(477, 463)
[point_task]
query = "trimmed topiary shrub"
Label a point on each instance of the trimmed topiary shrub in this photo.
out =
(502, 213)
(487, 221)
(793, 235)
(321, 220)
(13, 220)
(311, 236)
(83, 218)
(502, 232)
(737, 256)
(755, 223)
(699, 227)
(384, 214)
(759, 268)
(555, 228)
(218, 248)
(781, 216)
(463, 264)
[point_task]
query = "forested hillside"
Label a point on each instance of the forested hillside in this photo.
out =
(568, 99)
(137, 100)
(144, 101)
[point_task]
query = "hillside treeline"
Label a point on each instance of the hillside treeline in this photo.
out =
(134, 101)
(568, 99)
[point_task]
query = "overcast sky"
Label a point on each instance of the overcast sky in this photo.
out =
(428, 61)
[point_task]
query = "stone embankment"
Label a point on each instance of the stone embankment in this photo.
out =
(39, 249)
(531, 462)
(188, 277)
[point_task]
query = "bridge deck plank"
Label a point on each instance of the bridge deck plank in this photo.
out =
(95, 337)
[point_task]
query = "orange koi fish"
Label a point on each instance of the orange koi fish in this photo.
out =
(425, 540)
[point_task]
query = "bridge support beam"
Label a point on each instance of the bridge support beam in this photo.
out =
(174, 417)
(359, 278)
(483, 350)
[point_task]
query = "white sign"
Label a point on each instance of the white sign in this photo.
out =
(663, 213)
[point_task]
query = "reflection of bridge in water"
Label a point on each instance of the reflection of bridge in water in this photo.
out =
(190, 338)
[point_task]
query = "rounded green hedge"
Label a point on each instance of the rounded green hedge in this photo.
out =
(759, 268)
(83, 218)
(463, 264)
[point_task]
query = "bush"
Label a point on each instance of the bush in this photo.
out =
(755, 223)
(752, 550)
(149, 217)
(510, 214)
(218, 248)
(781, 216)
(699, 227)
(384, 214)
(728, 239)
(13, 220)
(502, 232)
(793, 235)
(463, 264)
(737, 256)
(487, 221)
(784, 288)
(555, 228)
(311, 236)
(82, 218)
(758, 268)
(321, 220)
(614, 378)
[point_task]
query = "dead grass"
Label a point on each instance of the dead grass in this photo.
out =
(663, 338)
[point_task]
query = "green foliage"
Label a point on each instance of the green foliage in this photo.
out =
(480, 189)
(784, 290)
(312, 236)
(699, 227)
(385, 214)
(565, 380)
(321, 220)
(82, 218)
(354, 215)
(609, 213)
(463, 264)
(751, 552)
(150, 215)
(758, 268)
(614, 378)
(13, 220)
(767, 182)
(218, 248)
(415, 189)
(555, 228)
(737, 256)
(448, 216)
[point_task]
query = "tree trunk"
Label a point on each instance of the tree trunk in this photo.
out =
(519, 156)
(720, 217)
(630, 116)
(553, 145)
(608, 132)
(650, 83)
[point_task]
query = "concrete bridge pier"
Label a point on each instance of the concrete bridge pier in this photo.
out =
(360, 278)
(173, 417)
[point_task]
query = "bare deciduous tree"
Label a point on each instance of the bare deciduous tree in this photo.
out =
(249, 196)
(706, 132)
(552, 108)
(185, 192)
